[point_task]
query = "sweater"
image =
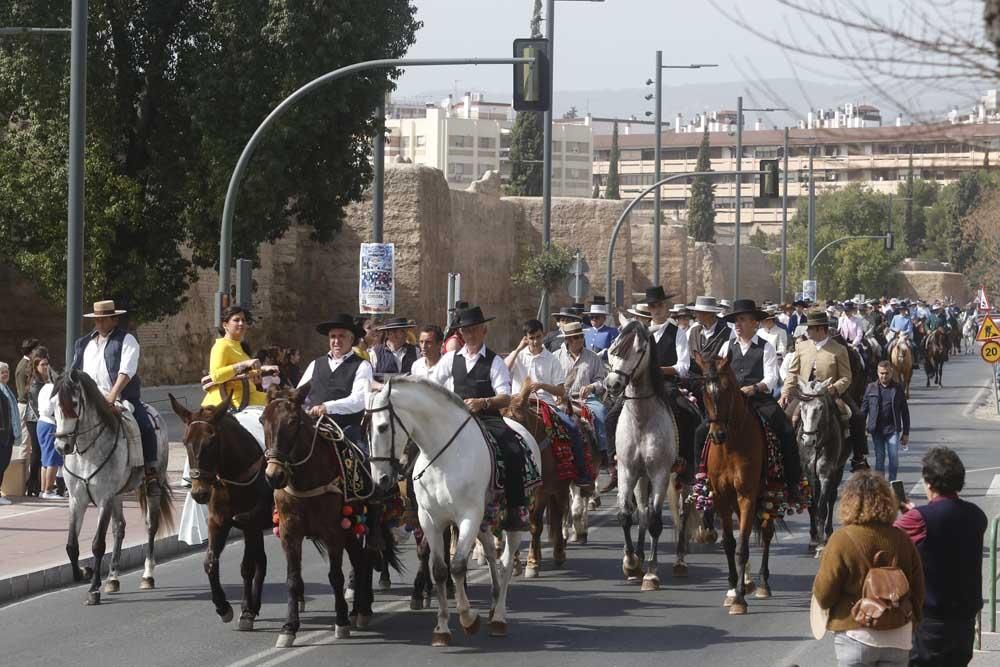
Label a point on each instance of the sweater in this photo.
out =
(225, 355)
(842, 570)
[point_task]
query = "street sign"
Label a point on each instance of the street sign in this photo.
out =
(809, 290)
(982, 301)
(988, 331)
(579, 265)
(990, 352)
(578, 288)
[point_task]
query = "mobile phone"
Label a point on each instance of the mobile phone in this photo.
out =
(897, 488)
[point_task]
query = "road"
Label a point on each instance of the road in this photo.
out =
(584, 614)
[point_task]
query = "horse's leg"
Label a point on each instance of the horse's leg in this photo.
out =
(498, 624)
(422, 582)
(118, 533)
(685, 509)
(218, 533)
(642, 494)
(435, 538)
(739, 605)
(152, 527)
(729, 546)
(631, 567)
(252, 569)
(536, 525)
(767, 534)
(77, 510)
(653, 520)
(559, 508)
(292, 544)
(100, 535)
(336, 546)
(468, 529)
(489, 551)
(578, 508)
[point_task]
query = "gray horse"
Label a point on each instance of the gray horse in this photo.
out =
(92, 437)
(823, 453)
(646, 447)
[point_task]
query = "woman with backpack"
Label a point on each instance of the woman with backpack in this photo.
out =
(870, 578)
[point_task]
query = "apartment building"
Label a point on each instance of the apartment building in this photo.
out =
(465, 139)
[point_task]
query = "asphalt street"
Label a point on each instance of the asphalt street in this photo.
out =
(584, 614)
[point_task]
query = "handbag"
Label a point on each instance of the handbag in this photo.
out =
(885, 593)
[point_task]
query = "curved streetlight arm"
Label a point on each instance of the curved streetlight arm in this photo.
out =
(229, 209)
(631, 205)
(843, 238)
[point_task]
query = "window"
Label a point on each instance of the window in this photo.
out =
(460, 141)
(577, 147)
(421, 140)
(488, 143)
(485, 167)
(459, 168)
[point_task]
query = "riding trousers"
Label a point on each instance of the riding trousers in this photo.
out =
(513, 458)
(147, 432)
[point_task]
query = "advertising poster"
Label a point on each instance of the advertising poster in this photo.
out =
(377, 286)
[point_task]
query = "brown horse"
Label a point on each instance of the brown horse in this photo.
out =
(304, 469)
(901, 358)
(227, 473)
(935, 354)
(736, 458)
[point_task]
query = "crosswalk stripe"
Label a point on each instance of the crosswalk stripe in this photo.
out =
(994, 489)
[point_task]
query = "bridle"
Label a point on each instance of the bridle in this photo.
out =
(73, 435)
(277, 457)
(808, 398)
(627, 376)
(215, 477)
(726, 423)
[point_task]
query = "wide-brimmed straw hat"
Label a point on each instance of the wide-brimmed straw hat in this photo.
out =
(770, 312)
(470, 317)
(105, 309)
(396, 323)
(680, 310)
(340, 321)
(640, 310)
(706, 304)
(599, 306)
(571, 329)
(745, 307)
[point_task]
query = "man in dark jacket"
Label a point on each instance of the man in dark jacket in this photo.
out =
(887, 419)
(948, 533)
(396, 355)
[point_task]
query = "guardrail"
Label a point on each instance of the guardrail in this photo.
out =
(994, 526)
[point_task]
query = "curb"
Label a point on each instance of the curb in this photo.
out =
(978, 399)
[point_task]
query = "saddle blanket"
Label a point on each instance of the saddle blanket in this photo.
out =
(532, 474)
(560, 440)
(357, 477)
(133, 437)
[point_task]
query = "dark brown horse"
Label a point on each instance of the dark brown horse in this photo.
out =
(304, 469)
(227, 469)
(935, 354)
(736, 458)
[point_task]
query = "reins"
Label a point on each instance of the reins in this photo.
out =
(198, 473)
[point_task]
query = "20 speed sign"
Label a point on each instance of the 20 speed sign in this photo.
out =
(990, 352)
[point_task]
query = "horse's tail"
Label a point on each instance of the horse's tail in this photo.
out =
(320, 547)
(166, 507)
(390, 553)
(758, 529)
(675, 498)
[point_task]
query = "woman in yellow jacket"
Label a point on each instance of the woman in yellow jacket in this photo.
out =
(229, 359)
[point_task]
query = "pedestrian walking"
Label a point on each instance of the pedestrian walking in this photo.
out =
(10, 424)
(46, 430)
(39, 367)
(22, 382)
(867, 509)
(948, 533)
(887, 419)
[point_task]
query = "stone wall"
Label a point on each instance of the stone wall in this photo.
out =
(930, 285)
(28, 315)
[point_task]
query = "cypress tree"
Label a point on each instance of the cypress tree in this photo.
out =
(611, 187)
(701, 205)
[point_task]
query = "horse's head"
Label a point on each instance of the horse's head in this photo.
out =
(813, 410)
(285, 421)
(77, 394)
(386, 443)
(719, 395)
(203, 444)
(626, 356)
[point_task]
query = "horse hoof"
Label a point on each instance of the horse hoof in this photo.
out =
(680, 570)
(530, 572)
(650, 582)
(473, 628)
(147, 584)
(285, 640)
(86, 573)
(227, 615)
(302, 606)
(818, 553)
(738, 609)
(93, 598)
(580, 539)
(594, 503)
(441, 639)
(416, 604)
(559, 561)
(728, 602)
(362, 621)
(246, 624)
(498, 629)
(763, 592)
(749, 587)
(342, 631)
(384, 584)
(112, 586)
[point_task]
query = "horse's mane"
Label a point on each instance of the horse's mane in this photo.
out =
(444, 392)
(64, 387)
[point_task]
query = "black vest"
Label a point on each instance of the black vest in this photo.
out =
(666, 348)
(714, 344)
(749, 367)
(327, 385)
(952, 554)
(113, 359)
(474, 383)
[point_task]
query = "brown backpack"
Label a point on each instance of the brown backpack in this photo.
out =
(885, 593)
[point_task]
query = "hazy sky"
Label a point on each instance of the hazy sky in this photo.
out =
(611, 44)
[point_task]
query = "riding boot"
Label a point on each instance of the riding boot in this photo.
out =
(613, 482)
(513, 462)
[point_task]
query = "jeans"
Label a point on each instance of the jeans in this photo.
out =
(886, 444)
(852, 653)
(600, 417)
(576, 440)
(938, 641)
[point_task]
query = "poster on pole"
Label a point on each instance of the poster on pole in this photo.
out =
(809, 290)
(377, 283)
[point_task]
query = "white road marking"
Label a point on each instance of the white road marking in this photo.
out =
(994, 489)
(43, 509)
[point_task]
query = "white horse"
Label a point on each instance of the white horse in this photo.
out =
(451, 482)
(98, 470)
(969, 330)
(646, 446)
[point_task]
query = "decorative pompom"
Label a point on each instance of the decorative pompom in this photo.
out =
(347, 510)
(345, 523)
(359, 529)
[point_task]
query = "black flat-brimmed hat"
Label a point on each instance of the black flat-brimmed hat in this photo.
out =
(801, 302)
(568, 313)
(745, 307)
(396, 323)
(470, 317)
(817, 318)
(340, 321)
(655, 294)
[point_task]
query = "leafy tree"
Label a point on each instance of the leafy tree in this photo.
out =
(701, 205)
(760, 239)
(174, 90)
(611, 185)
(968, 194)
(545, 269)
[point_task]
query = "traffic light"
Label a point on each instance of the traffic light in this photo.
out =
(244, 283)
(769, 178)
(890, 241)
(531, 80)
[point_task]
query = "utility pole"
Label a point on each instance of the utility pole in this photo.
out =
(784, 224)
(77, 143)
(657, 171)
(550, 33)
(811, 215)
(739, 196)
(378, 187)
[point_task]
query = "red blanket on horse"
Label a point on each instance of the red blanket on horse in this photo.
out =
(561, 443)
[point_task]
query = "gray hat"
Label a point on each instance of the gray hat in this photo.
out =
(705, 304)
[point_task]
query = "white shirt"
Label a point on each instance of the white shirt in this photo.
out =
(820, 344)
(96, 367)
(499, 375)
(786, 364)
(420, 368)
(399, 354)
(46, 405)
(355, 402)
(777, 337)
(542, 367)
(583, 370)
(770, 358)
(901, 638)
(680, 344)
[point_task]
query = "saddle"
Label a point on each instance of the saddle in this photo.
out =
(132, 436)
(358, 483)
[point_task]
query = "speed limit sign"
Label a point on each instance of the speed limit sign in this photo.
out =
(990, 352)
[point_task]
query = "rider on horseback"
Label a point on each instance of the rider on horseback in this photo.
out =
(478, 375)
(755, 362)
(900, 328)
(110, 355)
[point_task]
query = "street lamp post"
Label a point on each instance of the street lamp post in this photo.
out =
(784, 223)
(811, 216)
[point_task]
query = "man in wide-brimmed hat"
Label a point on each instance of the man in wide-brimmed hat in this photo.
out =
(395, 355)
(599, 335)
(772, 333)
(339, 379)
(480, 377)
(708, 332)
(110, 356)
(585, 373)
(850, 326)
(566, 314)
(681, 316)
(799, 316)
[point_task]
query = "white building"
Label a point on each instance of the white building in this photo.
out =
(466, 139)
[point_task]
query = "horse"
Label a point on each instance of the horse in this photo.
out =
(901, 358)
(646, 440)
(227, 468)
(452, 484)
(823, 452)
(954, 336)
(91, 435)
(310, 500)
(736, 467)
(935, 354)
(969, 331)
